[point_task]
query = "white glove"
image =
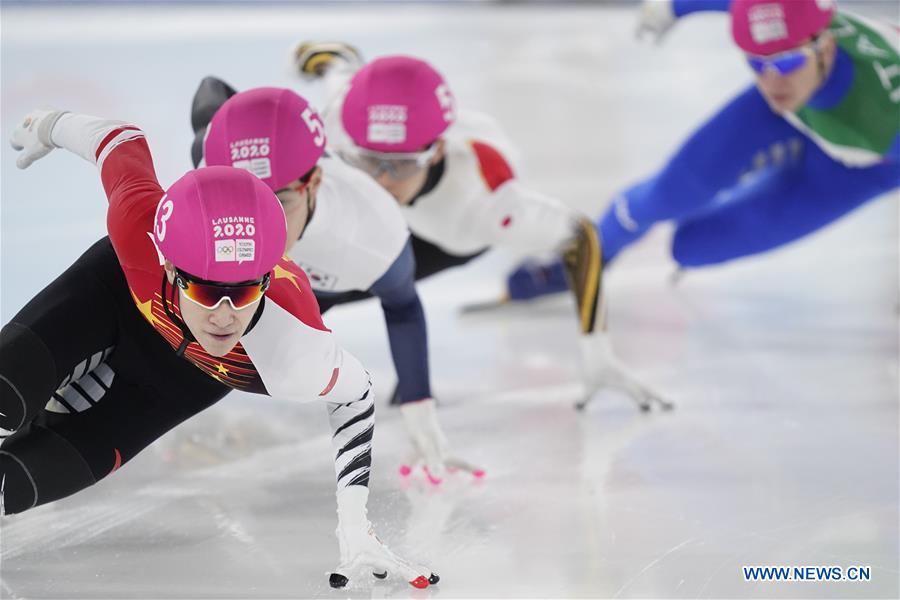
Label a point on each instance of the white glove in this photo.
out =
(361, 548)
(604, 371)
(32, 136)
(657, 18)
(430, 444)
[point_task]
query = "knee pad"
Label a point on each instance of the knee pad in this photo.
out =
(27, 375)
(18, 491)
(38, 466)
(583, 263)
(700, 244)
(686, 252)
(12, 406)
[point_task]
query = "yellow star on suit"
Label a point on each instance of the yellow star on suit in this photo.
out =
(282, 273)
(146, 309)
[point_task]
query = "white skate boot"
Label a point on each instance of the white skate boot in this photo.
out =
(604, 371)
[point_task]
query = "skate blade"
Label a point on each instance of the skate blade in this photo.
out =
(485, 306)
(645, 404)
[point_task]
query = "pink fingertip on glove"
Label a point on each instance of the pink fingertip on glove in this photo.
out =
(479, 473)
(431, 478)
(405, 470)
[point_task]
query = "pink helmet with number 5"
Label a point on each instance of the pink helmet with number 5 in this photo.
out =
(220, 224)
(766, 27)
(397, 104)
(271, 132)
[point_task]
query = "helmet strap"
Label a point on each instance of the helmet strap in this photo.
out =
(820, 58)
(435, 174)
(310, 209)
(187, 336)
(820, 63)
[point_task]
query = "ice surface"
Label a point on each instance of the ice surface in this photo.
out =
(784, 446)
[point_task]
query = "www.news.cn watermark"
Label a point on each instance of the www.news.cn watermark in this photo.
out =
(806, 573)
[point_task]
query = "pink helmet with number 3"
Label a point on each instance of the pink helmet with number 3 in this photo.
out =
(764, 27)
(271, 132)
(397, 104)
(220, 224)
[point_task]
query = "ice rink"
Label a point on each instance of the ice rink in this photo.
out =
(783, 449)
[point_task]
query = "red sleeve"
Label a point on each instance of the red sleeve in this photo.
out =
(290, 289)
(494, 169)
(126, 169)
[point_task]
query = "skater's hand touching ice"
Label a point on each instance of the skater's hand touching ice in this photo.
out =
(32, 136)
(656, 19)
(361, 548)
(431, 450)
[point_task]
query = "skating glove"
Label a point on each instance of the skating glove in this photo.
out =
(32, 136)
(431, 450)
(656, 19)
(360, 547)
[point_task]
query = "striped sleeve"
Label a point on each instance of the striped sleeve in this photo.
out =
(352, 426)
(92, 138)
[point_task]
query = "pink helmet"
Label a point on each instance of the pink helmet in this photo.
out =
(220, 224)
(770, 26)
(271, 132)
(397, 104)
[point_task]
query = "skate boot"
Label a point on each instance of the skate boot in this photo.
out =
(605, 371)
(312, 59)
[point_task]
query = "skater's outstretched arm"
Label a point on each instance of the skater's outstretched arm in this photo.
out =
(406, 327)
(405, 320)
(120, 152)
(352, 425)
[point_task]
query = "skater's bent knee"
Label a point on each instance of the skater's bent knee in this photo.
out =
(693, 246)
(27, 375)
(18, 491)
(40, 466)
(12, 406)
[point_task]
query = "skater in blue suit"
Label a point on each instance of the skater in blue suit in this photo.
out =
(817, 136)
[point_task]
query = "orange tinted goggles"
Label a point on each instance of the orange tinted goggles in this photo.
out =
(210, 295)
